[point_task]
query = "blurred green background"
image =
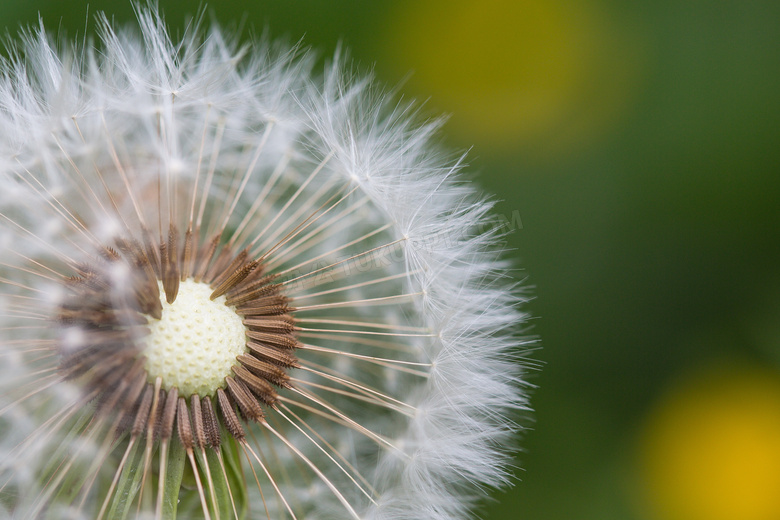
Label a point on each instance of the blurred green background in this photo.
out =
(638, 144)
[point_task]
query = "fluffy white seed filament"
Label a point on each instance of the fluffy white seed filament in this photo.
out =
(195, 343)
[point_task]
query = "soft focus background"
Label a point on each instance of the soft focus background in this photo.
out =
(635, 148)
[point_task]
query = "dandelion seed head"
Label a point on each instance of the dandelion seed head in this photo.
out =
(216, 259)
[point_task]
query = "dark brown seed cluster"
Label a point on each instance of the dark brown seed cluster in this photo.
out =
(110, 301)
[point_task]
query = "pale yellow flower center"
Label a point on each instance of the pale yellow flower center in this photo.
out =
(195, 343)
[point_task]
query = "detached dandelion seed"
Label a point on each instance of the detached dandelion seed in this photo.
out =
(232, 288)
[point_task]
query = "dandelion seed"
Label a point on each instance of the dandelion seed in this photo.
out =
(232, 289)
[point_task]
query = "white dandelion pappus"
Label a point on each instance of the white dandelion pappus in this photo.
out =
(230, 288)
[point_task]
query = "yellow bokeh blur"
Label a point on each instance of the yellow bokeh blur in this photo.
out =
(519, 74)
(711, 449)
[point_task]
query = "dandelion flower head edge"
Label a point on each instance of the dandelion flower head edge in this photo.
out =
(233, 288)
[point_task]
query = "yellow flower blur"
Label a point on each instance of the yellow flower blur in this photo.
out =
(537, 75)
(711, 450)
